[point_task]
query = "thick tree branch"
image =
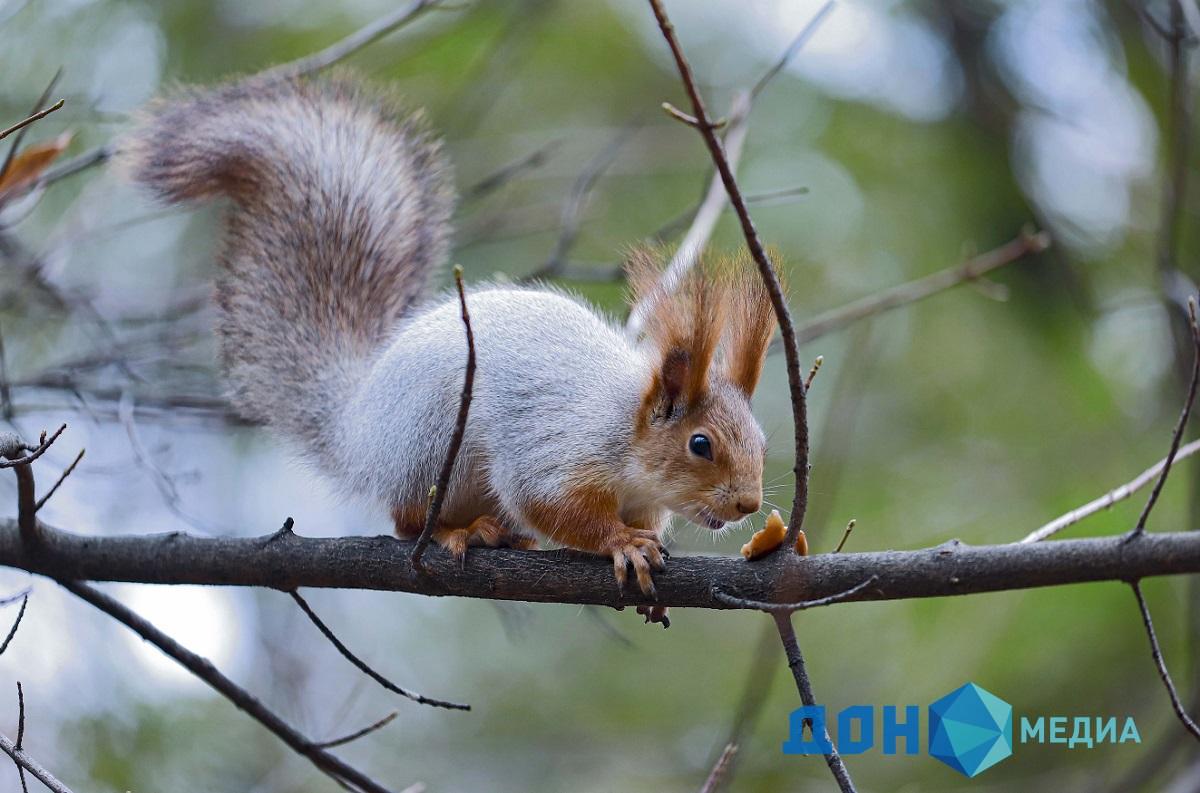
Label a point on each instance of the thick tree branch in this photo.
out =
(285, 561)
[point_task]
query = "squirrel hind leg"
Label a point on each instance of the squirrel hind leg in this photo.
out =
(484, 530)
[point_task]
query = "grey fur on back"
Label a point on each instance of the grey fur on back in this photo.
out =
(342, 209)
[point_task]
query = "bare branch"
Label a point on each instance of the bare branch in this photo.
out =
(581, 190)
(765, 268)
(438, 493)
(789, 608)
(16, 142)
(717, 776)
(795, 659)
(356, 41)
(705, 216)
(812, 373)
(354, 736)
(1180, 425)
(704, 220)
(13, 630)
(202, 668)
(35, 117)
(507, 173)
(679, 115)
(845, 536)
(13, 455)
(285, 561)
(41, 502)
(12, 451)
(362, 665)
(1156, 653)
(904, 294)
(1106, 501)
(21, 759)
(793, 48)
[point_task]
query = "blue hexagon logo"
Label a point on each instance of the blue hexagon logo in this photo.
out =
(970, 729)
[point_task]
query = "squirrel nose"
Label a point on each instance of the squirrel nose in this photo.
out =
(747, 505)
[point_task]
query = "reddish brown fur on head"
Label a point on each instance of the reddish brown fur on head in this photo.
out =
(708, 335)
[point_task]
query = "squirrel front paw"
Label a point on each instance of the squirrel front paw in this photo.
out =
(639, 548)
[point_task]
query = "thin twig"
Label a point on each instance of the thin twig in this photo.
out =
(505, 174)
(1156, 653)
(351, 44)
(792, 49)
(362, 665)
(788, 608)
(795, 659)
(12, 459)
(812, 373)
(21, 732)
(58, 482)
(26, 763)
(581, 191)
(202, 668)
(13, 630)
(16, 142)
(72, 166)
(765, 268)
(845, 536)
(35, 117)
(1112, 497)
(704, 217)
(354, 736)
(1026, 244)
(1180, 425)
(679, 115)
(717, 776)
(438, 492)
(11, 456)
(21, 715)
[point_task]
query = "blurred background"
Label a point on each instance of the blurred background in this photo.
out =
(903, 138)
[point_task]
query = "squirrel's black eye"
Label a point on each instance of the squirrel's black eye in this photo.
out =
(700, 446)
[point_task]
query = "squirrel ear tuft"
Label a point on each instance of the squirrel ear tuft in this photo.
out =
(673, 377)
(684, 320)
(752, 324)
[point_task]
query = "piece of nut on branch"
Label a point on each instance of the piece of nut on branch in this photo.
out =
(770, 537)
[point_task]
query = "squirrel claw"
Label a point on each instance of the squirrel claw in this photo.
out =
(642, 550)
(655, 614)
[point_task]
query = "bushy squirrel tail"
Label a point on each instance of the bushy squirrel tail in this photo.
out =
(341, 211)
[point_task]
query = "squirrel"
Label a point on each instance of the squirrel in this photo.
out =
(339, 219)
